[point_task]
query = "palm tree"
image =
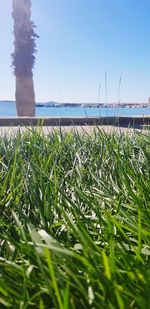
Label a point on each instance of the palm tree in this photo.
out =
(23, 57)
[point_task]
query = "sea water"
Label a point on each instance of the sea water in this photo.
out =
(8, 109)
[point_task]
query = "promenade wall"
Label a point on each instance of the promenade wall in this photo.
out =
(75, 121)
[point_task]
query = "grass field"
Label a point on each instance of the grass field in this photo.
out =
(75, 220)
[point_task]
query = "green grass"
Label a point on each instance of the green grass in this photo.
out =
(75, 220)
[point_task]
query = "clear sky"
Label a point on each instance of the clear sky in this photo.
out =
(79, 41)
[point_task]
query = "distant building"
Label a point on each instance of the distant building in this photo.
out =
(148, 101)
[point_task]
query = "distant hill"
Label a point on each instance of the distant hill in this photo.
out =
(84, 105)
(7, 101)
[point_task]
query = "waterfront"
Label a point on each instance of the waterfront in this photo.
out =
(8, 109)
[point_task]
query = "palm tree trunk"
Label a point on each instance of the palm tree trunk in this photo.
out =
(23, 57)
(25, 96)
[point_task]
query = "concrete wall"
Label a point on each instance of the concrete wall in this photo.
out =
(74, 121)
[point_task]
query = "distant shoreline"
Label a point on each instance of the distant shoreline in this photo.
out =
(87, 105)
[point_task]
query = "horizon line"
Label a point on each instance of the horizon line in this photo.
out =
(98, 103)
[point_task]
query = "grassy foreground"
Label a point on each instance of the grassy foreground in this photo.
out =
(75, 221)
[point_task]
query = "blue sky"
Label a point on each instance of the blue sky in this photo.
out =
(79, 41)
